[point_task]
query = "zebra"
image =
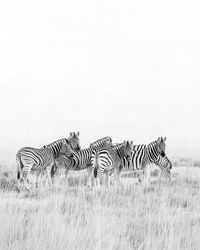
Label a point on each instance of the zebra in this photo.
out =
(143, 155)
(165, 166)
(76, 160)
(108, 158)
(100, 143)
(40, 160)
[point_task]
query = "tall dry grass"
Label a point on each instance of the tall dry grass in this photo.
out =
(160, 216)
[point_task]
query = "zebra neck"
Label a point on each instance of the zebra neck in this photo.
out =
(120, 151)
(55, 147)
(100, 143)
(55, 150)
(152, 152)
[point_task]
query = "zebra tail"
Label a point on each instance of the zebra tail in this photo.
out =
(96, 165)
(53, 170)
(19, 165)
(95, 172)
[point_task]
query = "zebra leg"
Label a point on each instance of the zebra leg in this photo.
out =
(37, 180)
(19, 171)
(26, 184)
(117, 175)
(66, 175)
(147, 176)
(18, 185)
(97, 181)
(19, 181)
(24, 169)
(96, 174)
(25, 178)
(160, 174)
(140, 176)
(89, 179)
(48, 176)
(53, 171)
(25, 174)
(107, 178)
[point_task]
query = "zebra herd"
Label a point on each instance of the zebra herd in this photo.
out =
(101, 157)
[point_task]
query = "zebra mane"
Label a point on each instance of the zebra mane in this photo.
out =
(55, 143)
(56, 146)
(100, 141)
(59, 142)
(118, 145)
(137, 147)
(143, 146)
(152, 144)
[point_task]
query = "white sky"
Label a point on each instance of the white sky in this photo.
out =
(126, 69)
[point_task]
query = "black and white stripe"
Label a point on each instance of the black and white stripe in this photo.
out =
(143, 155)
(165, 165)
(108, 158)
(77, 160)
(40, 160)
(100, 143)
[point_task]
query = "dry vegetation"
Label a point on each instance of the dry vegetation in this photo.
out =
(161, 216)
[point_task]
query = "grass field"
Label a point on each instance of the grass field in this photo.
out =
(164, 215)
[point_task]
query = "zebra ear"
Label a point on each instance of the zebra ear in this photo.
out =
(159, 139)
(71, 133)
(165, 138)
(77, 134)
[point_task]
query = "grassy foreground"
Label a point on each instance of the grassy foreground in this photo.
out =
(160, 216)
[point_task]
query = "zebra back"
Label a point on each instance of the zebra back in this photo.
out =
(145, 154)
(56, 146)
(76, 159)
(100, 143)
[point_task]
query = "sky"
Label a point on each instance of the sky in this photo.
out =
(124, 69)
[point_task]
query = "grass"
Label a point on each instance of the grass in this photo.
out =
(163, 215)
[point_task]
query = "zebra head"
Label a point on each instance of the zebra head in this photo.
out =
(161, 145)
(67, 150)
(155, 148)
(156, 154)
(73, 140)
(127, 149)
(164, 164)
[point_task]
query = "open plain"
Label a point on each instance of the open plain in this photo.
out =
(162, 215)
